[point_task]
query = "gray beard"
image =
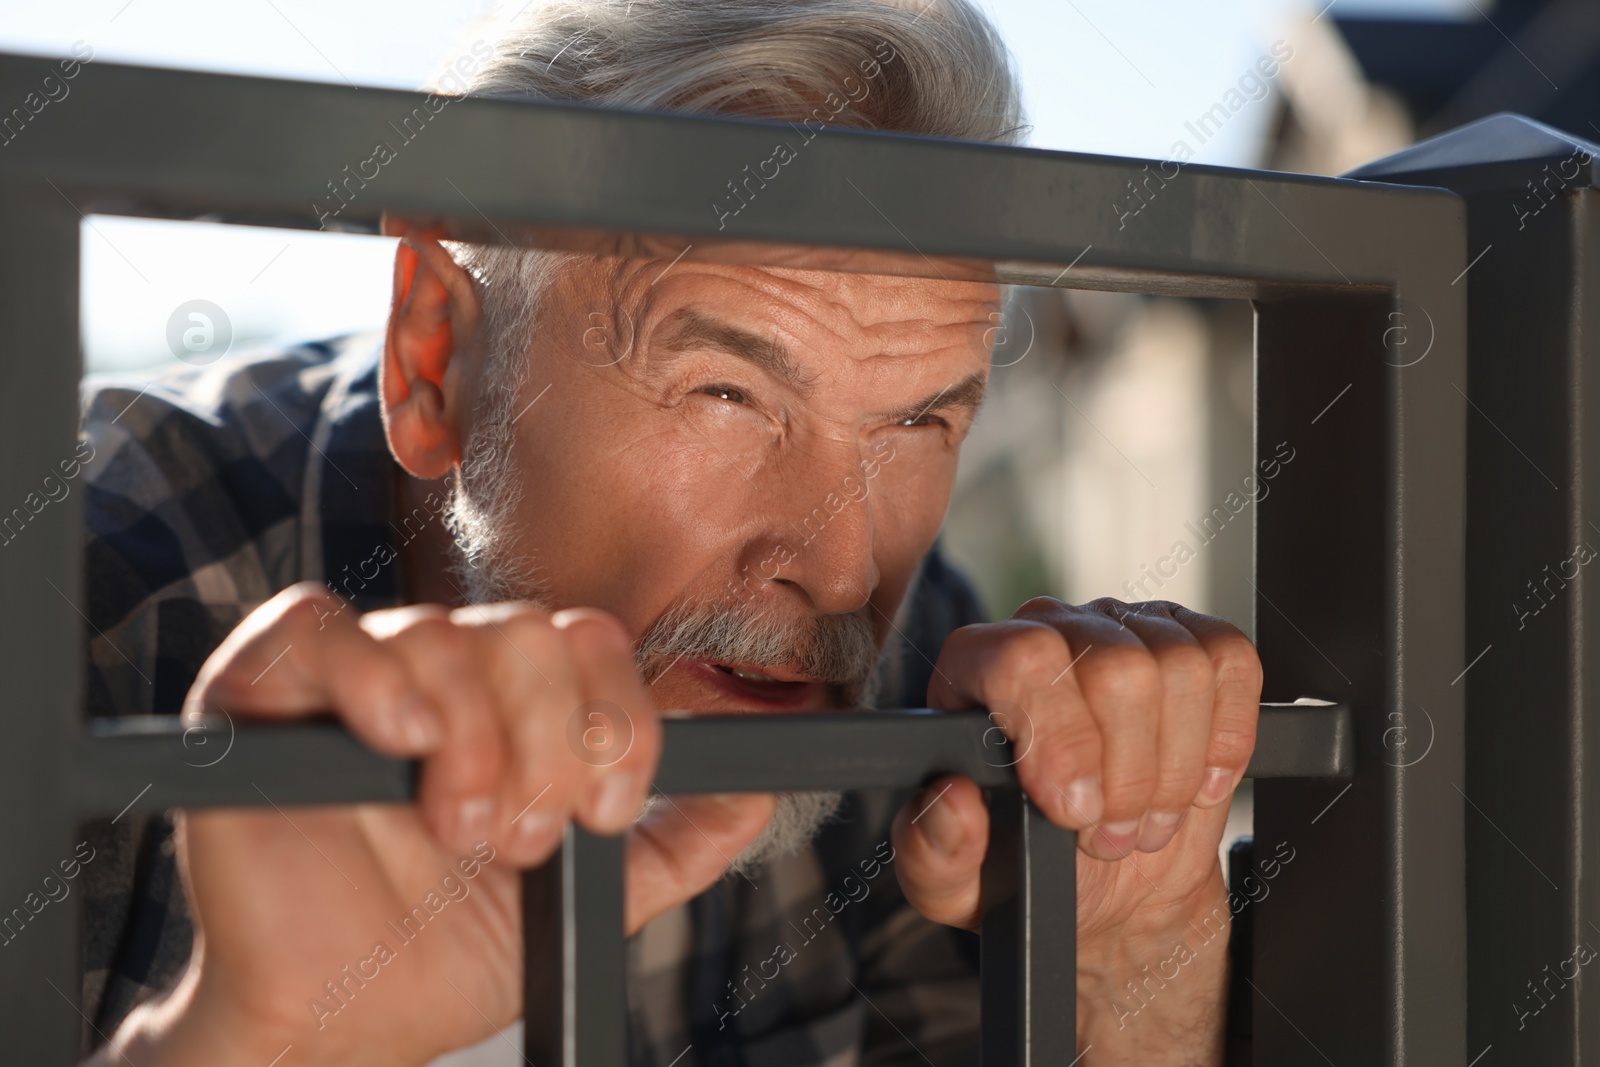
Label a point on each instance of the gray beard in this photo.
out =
(484, 494)
(795, 824)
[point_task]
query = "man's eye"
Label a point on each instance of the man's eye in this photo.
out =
(724, 392)
(921, 420)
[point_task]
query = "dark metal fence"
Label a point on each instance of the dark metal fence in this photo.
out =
(1533, 840)
(1360, 954)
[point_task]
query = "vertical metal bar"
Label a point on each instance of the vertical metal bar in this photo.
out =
(1241, 956)
(41, 632)
(1029, 951)
(1533, 842)
(1326, 917)
(1003, 946)
(575, 1008)
(1360, 597)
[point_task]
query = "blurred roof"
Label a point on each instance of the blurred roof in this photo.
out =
(1540, 58)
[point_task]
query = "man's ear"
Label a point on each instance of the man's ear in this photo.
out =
(433, 319)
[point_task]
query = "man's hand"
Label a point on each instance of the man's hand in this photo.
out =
(291, 903)
(1133, 725)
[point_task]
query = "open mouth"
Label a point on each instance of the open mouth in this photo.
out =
(759, 686)
(754, 676)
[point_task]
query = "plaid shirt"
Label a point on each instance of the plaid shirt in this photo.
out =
(212, 488)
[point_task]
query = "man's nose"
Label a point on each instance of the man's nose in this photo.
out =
(823, 511)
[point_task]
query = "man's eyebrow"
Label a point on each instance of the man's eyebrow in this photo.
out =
(967, 393)
(688, 328)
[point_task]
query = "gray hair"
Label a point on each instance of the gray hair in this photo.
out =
(950, 76)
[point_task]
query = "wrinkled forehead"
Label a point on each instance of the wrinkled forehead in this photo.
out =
(893, 313)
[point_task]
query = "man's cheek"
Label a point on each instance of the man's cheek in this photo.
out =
(912, 501)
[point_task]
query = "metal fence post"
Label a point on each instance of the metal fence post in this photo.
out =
(1360, 944)
(572, 907)
(1029, 944)
(40, 642)
(1533, 446)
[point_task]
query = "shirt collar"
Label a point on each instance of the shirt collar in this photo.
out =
(348, 505)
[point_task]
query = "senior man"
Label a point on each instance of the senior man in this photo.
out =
(512, 509)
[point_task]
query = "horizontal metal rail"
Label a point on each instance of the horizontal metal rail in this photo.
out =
(570, 175)
(156, 762)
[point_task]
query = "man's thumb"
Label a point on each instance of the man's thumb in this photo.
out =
(684, 845)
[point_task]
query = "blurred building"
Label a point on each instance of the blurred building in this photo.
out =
(1118, 428)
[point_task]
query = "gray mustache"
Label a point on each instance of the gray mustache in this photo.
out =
(838, 649)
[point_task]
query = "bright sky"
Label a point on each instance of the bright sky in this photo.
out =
(1105, 76)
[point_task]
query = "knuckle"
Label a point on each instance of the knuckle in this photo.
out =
(1121, 674)
(1238, 664)
(1187, 669)
(529, 633)
(437, 634)
(1049, 769)
(556, 784)
(1011, 719)
(1172, 797)
(1233, 746)
(1180, 780)
(309, 604)
(602, 734)
(1039, 605)
(961, 636)
(597, 621)
(308, 590)
(1214, 624)
(1028, 652)
(475, 758)
(500, 613)
(1074, 741)
(385, 623)
(1129, 791)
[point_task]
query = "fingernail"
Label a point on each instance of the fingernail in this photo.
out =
(472, 818)
(416, 722)
(531, 834)
(1082, 800)
(1216, 786)
(1159, 828)
(614, 801)
(942, 828)
(1114, 840)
